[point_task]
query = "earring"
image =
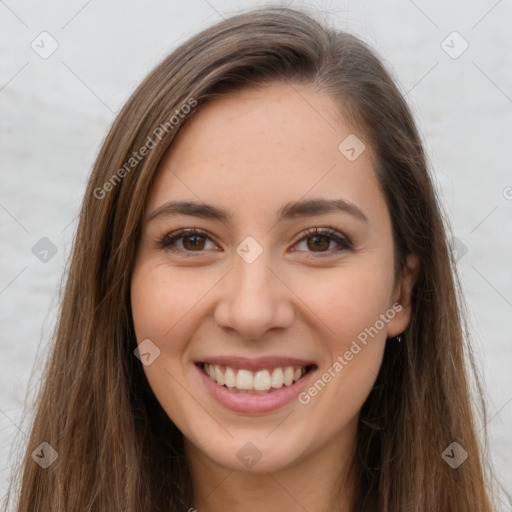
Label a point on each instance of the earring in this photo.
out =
(399, 338)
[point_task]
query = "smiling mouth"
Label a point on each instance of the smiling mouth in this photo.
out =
(258, 382)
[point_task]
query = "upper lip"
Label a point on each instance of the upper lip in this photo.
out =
(256, 363)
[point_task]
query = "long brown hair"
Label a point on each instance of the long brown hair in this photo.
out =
(117, 449)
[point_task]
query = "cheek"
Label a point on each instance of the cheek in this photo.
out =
(346, 301)
(348, 306)
(163, 297)
(163, 301)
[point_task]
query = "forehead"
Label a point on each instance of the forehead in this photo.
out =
(258, 148)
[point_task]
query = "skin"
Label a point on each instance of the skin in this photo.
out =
(250, 153)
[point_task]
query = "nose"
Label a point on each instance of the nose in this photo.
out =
(254, 299)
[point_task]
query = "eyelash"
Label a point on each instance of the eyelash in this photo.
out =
(343, 242)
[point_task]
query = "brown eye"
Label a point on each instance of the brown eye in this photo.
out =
(192, 242)
(186, 240)
(320, 242)
(324, 241)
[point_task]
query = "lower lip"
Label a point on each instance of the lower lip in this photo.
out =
(249, 403)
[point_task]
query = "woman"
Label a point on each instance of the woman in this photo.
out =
(261, 311)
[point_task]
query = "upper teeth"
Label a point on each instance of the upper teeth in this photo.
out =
(261, 380)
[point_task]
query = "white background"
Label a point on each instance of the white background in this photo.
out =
(56, 111)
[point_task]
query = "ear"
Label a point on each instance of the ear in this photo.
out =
(401, 299)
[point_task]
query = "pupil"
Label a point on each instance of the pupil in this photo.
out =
(196, 241)
(319, 244)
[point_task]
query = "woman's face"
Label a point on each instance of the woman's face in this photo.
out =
(290, 322)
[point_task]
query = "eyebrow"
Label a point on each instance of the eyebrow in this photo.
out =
(288, 211)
